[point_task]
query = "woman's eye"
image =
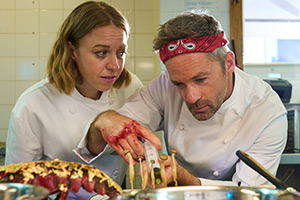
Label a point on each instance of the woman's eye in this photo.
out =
(121, 54)
(101, 53)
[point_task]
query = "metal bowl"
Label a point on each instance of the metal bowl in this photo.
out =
(210, 192)
(19, 191)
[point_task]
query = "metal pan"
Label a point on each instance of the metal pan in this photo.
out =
(210, 193)
(19, 191)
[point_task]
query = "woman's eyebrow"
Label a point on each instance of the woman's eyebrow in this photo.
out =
(101, 45)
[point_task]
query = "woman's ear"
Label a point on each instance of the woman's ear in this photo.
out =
(72, 50)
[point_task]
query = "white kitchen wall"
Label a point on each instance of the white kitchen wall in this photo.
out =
(28, 29)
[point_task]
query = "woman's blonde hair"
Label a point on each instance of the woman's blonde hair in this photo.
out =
(61, 69)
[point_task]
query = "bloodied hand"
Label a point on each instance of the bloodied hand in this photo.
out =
(121, 133)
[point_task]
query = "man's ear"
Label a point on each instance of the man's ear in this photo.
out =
(71, 50)
(230, 61)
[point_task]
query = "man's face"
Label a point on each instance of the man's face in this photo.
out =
(201, 82)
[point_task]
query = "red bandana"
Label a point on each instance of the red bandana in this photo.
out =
(189, 45)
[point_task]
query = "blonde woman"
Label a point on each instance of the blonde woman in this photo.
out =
(85, 76)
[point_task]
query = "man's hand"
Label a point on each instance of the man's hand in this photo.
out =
(121, 133)
(184, 178)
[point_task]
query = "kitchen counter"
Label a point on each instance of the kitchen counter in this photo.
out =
(290, 158)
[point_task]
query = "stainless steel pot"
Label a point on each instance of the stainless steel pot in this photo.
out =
(18, 191)
(210, 193)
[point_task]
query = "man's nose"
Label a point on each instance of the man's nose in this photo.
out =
(193, 94)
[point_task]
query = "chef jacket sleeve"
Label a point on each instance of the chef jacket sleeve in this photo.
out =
(83, 153)
(267, 151)
(147, 105)
(22, 144)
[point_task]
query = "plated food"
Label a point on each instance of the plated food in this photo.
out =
(60, 176)
(131, 168)
(144, 172)
(174, 168)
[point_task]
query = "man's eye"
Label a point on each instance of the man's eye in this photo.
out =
(201, 79)
(178, 85)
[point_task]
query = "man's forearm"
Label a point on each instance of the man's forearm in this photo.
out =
(95, 140)
(184, 178)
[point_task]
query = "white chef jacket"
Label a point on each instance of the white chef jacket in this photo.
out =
(46, 124)
(253, 120)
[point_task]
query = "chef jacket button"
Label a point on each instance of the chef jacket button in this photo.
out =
(116, 173)
(225, 141)
(238, 112)
(111, 101)
(72, 110)
(181, 127)
(216, 173)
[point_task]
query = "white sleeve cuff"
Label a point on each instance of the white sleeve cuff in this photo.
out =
(83, 153)
(209, 182)
(83, 141)
(86, 156)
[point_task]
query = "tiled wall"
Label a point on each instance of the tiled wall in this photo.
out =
(28, 29)
(218, 8)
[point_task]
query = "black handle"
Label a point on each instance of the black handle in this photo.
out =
(287, 175)
(260, 169)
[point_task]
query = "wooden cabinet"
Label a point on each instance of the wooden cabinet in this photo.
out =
(236, 29)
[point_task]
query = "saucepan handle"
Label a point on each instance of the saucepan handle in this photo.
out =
(260, 169)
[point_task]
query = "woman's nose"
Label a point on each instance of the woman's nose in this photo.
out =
(113, 63)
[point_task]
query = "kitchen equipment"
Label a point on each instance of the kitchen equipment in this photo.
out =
(261, 170)
(293, 140)
(19, 191)
(210, 193)
(151, 153)
(282, 87)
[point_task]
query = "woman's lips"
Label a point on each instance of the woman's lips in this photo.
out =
(108, 79)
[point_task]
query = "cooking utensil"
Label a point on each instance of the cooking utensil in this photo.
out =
(18, 191)
(209, 193)
(287, 175)
(260, 169)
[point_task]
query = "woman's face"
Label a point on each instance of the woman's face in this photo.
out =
(100, 59)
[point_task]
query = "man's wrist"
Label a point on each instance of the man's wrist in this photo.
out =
(96, 142)
(185, 178)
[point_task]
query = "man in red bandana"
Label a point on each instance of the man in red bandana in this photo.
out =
(206, 107)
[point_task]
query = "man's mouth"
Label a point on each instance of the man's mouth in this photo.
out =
(200, 108)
